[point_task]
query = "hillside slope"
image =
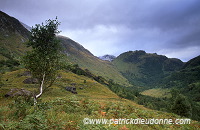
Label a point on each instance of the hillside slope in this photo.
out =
(145, 69)
(60, 109)
(12, 36)
(187, 80)
(77, 54)
(190, 73)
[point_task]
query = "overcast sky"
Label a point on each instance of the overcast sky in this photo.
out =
(167, 27)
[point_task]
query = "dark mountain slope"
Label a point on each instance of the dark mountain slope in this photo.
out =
(195, 62)
(10, 25)
(145, 69)
(12, 36)
(190, 73)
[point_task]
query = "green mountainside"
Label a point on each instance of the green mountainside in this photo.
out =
(183, 84)
(190, 73)
(100, 86)
(12, 35)
(187, 80)
(163, 81)
(195, 62)
(145, 69)
(77, 54)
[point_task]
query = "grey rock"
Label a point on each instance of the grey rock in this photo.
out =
(19, 92)
(30, 81)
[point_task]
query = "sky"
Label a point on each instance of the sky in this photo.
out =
(165, 27)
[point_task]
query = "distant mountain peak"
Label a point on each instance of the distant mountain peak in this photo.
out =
(107, 57)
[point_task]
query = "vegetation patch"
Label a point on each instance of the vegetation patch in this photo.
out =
(157, 92)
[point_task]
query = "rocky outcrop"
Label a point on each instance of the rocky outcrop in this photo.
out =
(19, 92)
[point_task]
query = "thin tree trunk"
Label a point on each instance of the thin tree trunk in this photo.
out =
(41, 90)
(41, 87)
(35, 100)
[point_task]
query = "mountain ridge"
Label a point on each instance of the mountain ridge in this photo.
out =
(13, 35)
(145, 69)
(77, 54)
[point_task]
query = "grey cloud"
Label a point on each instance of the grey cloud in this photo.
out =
(151, 25)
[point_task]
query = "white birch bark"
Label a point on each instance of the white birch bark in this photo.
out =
(41, 87)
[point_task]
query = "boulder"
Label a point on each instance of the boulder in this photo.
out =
(19, 92)
(71, 89)
(30, 81)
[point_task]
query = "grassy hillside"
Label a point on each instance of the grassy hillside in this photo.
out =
(77, 54)
(60, 109)
(144, 69)
(12, 37)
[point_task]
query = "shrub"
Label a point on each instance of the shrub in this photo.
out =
(181, 106)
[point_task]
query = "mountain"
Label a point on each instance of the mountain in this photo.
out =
(145, 69)
(107, 57)
(187, 80)
(195, 62)
(12, 36)
(60, 109)
(190, 73)
(77, 54)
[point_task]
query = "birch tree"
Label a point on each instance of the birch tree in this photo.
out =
(44, 59)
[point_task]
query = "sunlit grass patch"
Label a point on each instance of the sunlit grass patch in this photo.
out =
(157, 92)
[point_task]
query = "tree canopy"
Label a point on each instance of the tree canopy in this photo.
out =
(44, 59)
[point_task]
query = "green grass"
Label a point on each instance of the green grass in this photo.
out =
(59, 109)
(157, 92)
(12, 46)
